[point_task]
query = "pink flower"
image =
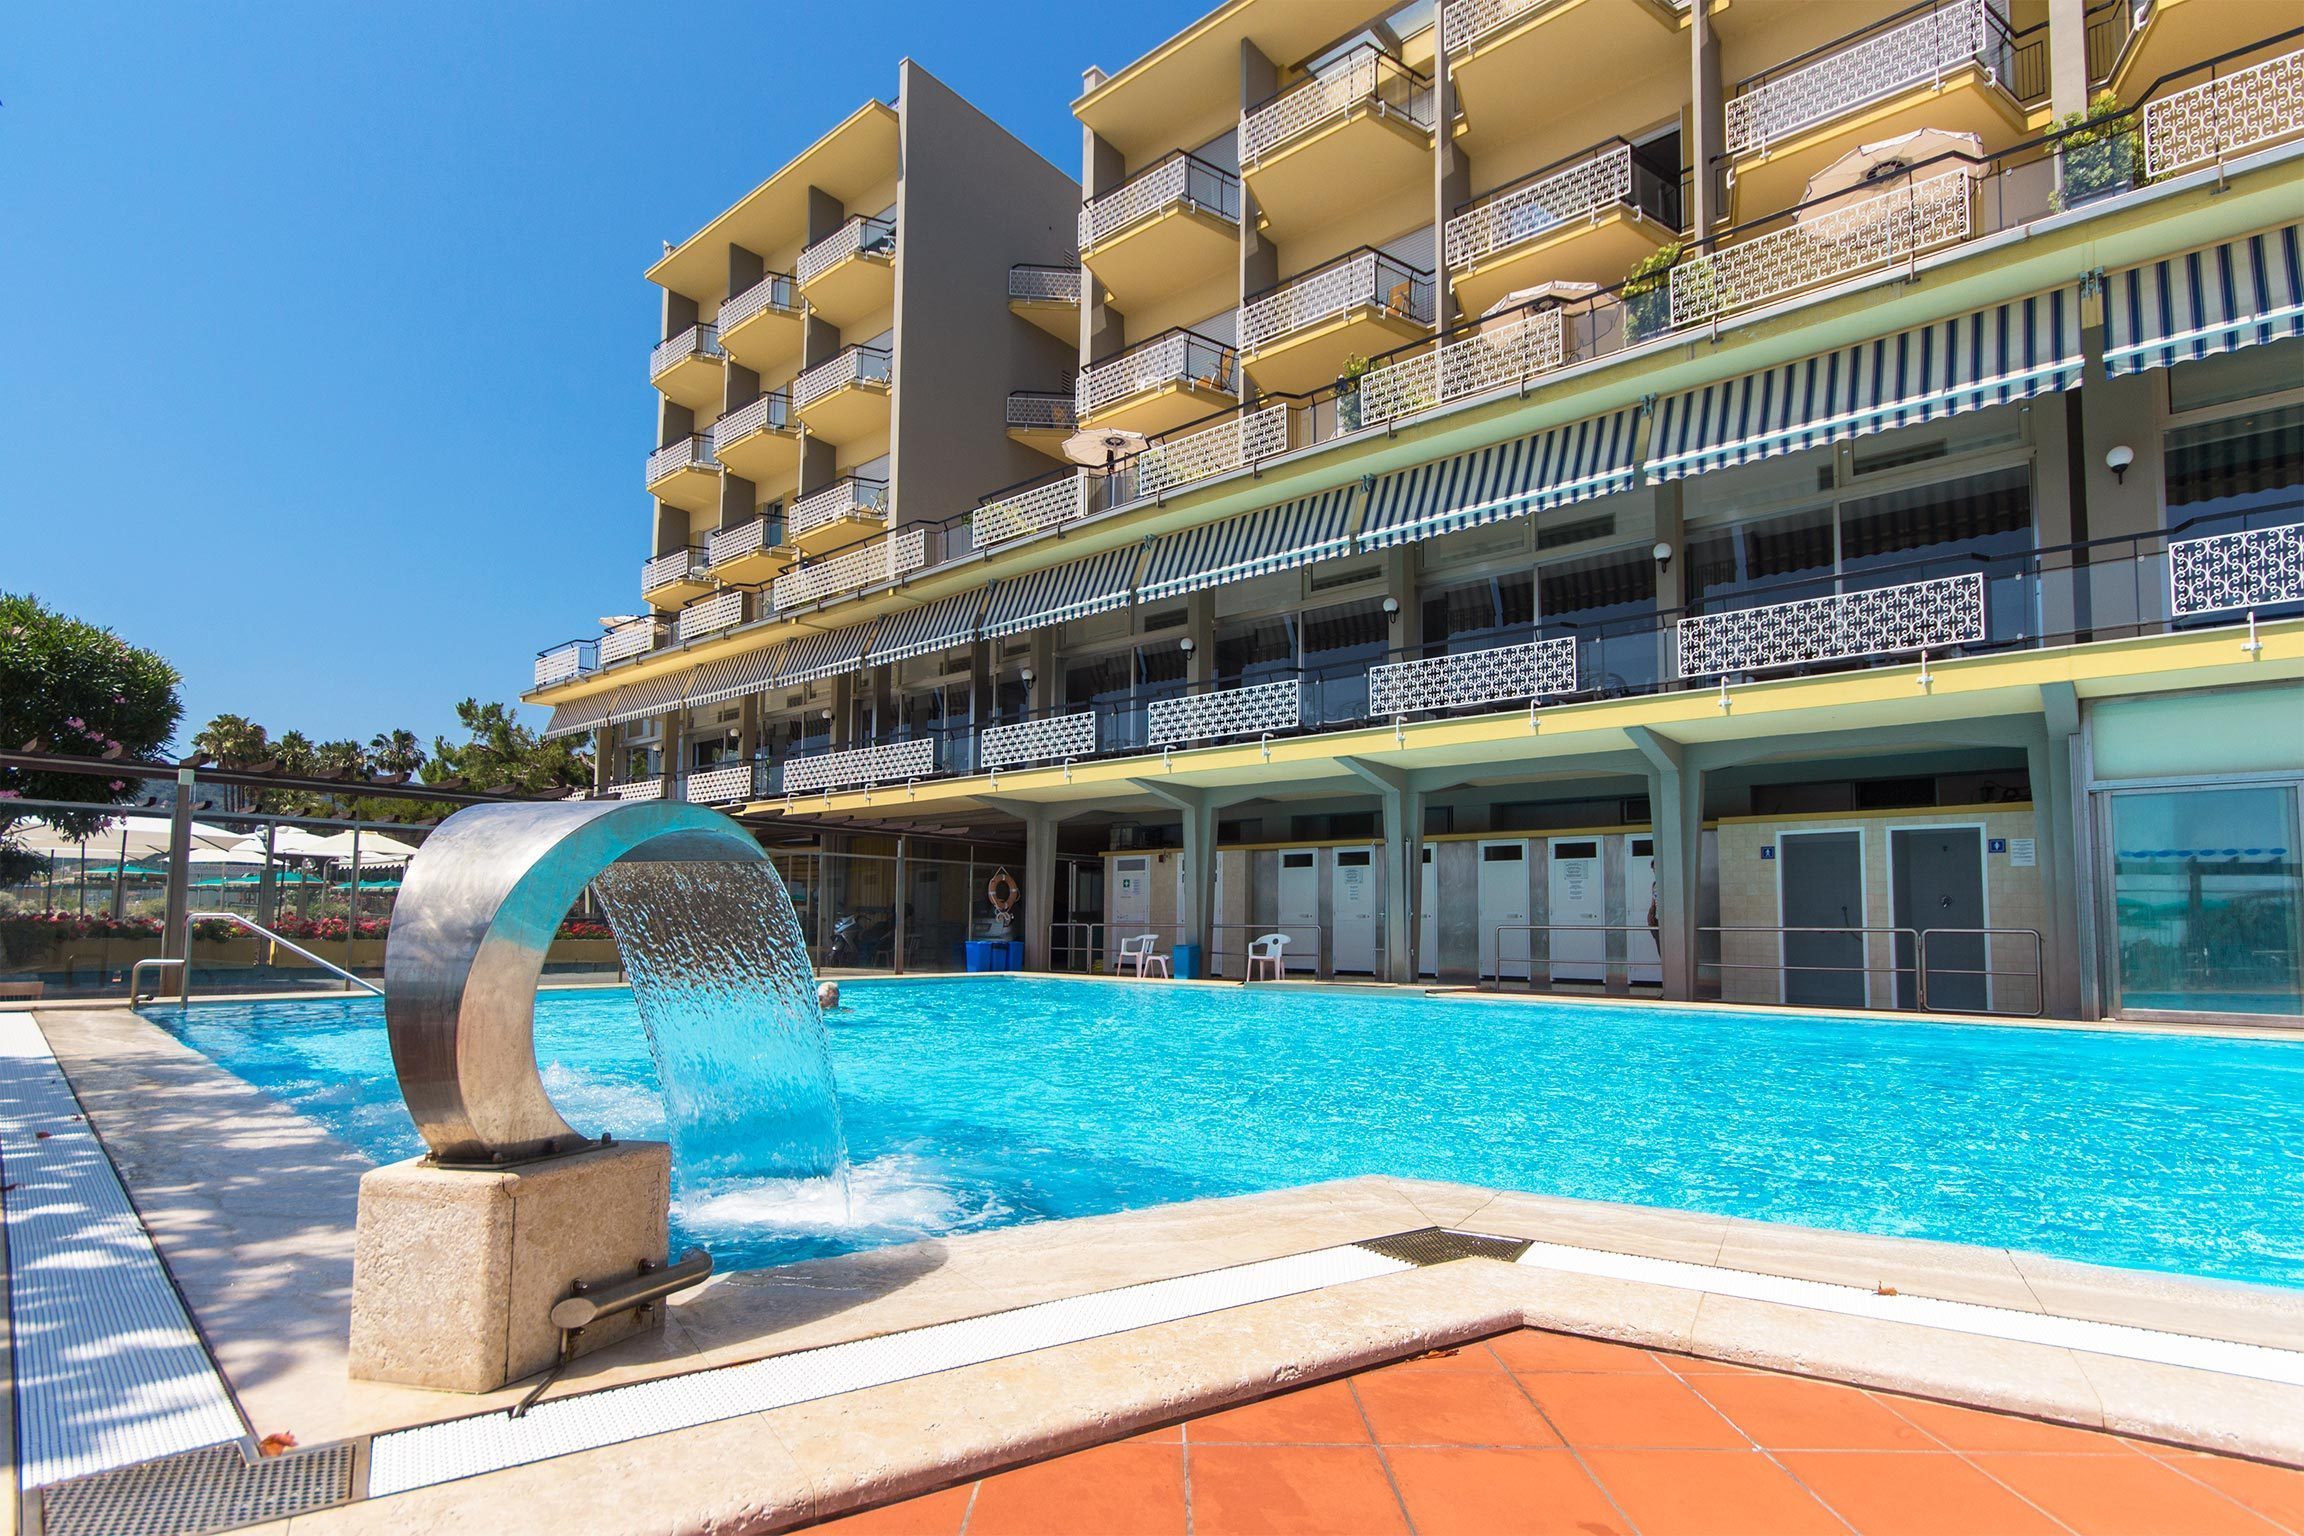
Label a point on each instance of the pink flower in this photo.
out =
(119, 698)
(10, 794)
(118, 785)
(75, 722)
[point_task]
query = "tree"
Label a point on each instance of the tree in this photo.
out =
(503, 754)
(342, 760)
(234, 741)
(396, 752)
(80, 690)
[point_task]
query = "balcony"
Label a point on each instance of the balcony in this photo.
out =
(882, 561)
(710, 615)
(760, 327)
(1513, 61)
(1298, 336)
(1171, 229)
(760, 441)
(1176, 377)
(688, 368)
(1506, 350)
(1167, 464)
(838, 515)
(1034, 509)
(891, 763)
(1048, 297)
(633, 789)
(727, 784)
(850, 274)
(1586, 219)
(1362, 122)
(1041, 420)
(752, 551)
(2232, 114)
(684, 474)
(844, 400)
(633, 637)
(2137, 42)
(1946, 66)
(563, 663)
(675, 577)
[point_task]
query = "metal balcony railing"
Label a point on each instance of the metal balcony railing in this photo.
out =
(1582, 187)
(2221, 117)
(884, 560)
(1176, 180)
(562, 662)
(773, 292)
(635, 637)
(691, 452)
(870, 366)
(1238, 441)
(846, 500)
(892, 763)
(756, 537)
(1466, 24)
(2252, 569)
(665, 570)
(1250, 711)
(1172, 357)
(1915, 48)
(1365, 79)
(1846, 626)
(1044, 285)
(1042, 411)
(859, 236)
(770, 413)
(1540, 669)
(1051, 738)
(697, 341)
(633, 789)
(722, 785)
(709, 616)
(1506, 350)
(1035, 509)
(1362, 279)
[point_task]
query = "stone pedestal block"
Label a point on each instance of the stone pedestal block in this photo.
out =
(455, 1271)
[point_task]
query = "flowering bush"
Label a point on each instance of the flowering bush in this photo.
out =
(580, 928)
(50, 927)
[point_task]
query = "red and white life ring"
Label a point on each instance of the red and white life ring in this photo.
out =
(1001, 891)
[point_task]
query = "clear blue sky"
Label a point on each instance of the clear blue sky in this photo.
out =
(323, 336)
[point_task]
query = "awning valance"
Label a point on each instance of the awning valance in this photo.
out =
(2009, 352)
(827, 653)
(1275, 539)
(1569, 463)
(936, 626)
(579, 715)
(2196, 305)
(650, 696)
(1062, 592)
(732, 677)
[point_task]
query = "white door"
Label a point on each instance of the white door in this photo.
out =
(1354, 903)
(1579, 902)
(1504, 903)
(1428, 916)
(1131, 904)
(1640, 899)
(1300, 907)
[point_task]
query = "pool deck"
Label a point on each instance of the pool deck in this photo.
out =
(251, 1206)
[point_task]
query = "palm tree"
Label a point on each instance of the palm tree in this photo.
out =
(233, 739)
(343, 760)
(396, 751)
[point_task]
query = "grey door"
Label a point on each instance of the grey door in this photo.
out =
(1939, 883)
(1822, 877)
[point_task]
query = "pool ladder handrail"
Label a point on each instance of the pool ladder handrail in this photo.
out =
(183, 968)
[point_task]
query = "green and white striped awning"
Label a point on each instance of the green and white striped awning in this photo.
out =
(650, 696)
(577, 716)
(936, 626)
(827, 653)
(1062, 592)
(2238, 294)
(732, 677)
(1274, 539)
(1553, 468)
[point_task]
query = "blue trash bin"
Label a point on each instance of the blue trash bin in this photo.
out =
(1013, 950)
(981, 956)
(1187, 962)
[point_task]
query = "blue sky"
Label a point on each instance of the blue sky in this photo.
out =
(323, 335)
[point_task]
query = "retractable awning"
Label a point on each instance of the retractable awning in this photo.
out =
(580, 715)
(732, 677)
(1553, 468)
(1274, 539)
(827, 653)
(2219, 299)
(1062, 592)
(650, 696)
(936, 626)
(2010, 352)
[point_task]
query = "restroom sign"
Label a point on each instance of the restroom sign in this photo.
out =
(1767, 850)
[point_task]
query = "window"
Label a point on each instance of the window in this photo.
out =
(1476, 615)
(2242, 472)
(1340, 645)
(1608, 604)
(2267, 369)
(1255, 650)
(2206, 896)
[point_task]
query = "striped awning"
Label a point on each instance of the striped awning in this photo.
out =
(1062, 592)
(577, 716)
(1553, 468)
(1275, 539)
(1994, 356)
(827, 653)
(936, 626)
(2196, 305)
(732, 677)
(650, 696)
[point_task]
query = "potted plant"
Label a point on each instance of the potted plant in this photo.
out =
(1348, 392)
(2096, 151)
(1648, 293)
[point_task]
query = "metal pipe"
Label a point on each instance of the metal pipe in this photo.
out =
(589, 1304)
(241, 920)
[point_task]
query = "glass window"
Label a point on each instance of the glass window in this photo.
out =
(2259, 370)
(2206, 894)
(1255, 650)
(1475, 615)
(2242, 472)
(1981, 523)
(1340, 644)
(1608, 602)
(1791, 555)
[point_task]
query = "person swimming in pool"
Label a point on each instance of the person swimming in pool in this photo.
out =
(827, 995)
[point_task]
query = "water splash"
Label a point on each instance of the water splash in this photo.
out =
(720, 972)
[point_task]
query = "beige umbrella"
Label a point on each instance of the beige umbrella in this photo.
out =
(1500, 320)
(1871, 169)
(139, 837)
(1101, 448)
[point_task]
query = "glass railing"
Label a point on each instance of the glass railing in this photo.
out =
(859, 236)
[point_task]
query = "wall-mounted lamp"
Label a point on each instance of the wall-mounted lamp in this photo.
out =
(2118, 461)
(827, 714)
(1663, 554)
(1026, 674)
(1185, 645)
(1391, 610)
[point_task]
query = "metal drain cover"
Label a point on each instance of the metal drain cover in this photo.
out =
(1438, 1245)
(211, 1489)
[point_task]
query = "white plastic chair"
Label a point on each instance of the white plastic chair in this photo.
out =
(1137, 955)
(1266, 952)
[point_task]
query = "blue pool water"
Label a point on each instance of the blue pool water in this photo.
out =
(987, 1102)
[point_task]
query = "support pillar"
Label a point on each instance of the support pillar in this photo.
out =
(2067, 56)
(1040, 824)
(1676, 818)
(1707, 123)
(1195, 919)
(2064, 992)
(1402, 799)
(179, 878)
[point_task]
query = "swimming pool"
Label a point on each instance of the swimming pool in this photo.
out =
(989, 1101)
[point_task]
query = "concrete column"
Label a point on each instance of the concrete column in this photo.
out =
(1200, 807)
(603, 749)
(748, 728)
(1200, 666)
(675, 737)
(179, 901)
(1259, 257)
(1046, 686)
(744, 269)
(2067, 56)
(1672, 580)
(1102, 328)
(1707, 122)
(739, 501)
(1401, 808)
(1451, 185)
(1407, 627)
(2055, 812)
(1040, 826)
(679, 314)
(843, 731)
(1676, 811)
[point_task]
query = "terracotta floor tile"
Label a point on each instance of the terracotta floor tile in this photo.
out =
(1323, 1415)
(1698, 1365)
(2277, 1493)
(931, 1514)
(1710, 1493)
(1110, 1489)
(1290, 1490)
(1465, 1358)
(1167, 1434)
(1792, 1413)
(1625, 1410)
(1976, 1429)
(1443, 1409)
(2121, 1495)
(1899, 1493)
(1534, 1350)
(1482, 1492)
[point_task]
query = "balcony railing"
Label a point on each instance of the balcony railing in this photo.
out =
(1237, 442)
(1035, 509)
(1367, 78)
(773, 292)
(2253, 569)
(636, 637)
(1846, 626)
(892, 763)
(1035, 410)
(563, 662)
(1172, 357)
(1052, 738)
(847, 499)
(1176, 180)
(1543, 669)
(1362, 279)
(709, 616)
(718, 786)
(770, 413)
(1583, 187)
(691, 452)
(885, 559)
(1250, 711)
(1503, 351)
(696, 341)
(668, 569)
(860, 236)
(852, 365)
(756, 537)
(2217, 118)
(1467, 24)
(1044, 285)
(633, 789)
(1919, 48)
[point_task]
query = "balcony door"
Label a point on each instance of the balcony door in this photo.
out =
(1820, 877)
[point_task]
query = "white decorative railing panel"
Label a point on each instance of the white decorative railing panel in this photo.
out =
(1363, 77)
(1045, 285)
(1216, 450)
(628, 640)
(709, 616)
(2207, 121)
(1543, 668)
(1030, 511)
(752, 538)
(886, 559)
(2225, 572)
(719, 786)
(890, 763)
(1370, 278)
(696, 341)
(1230, 712)
(1138, 198)
(844, 500)
(693, 452)
(1469, 23)
(1537, 209)
(1498, 354)
(858, 237)
(772, 292)
(665, 570)
(563, 662)
(635, 789)
(1176, 357)
(853, 365)
(1847, 626)
(1057, 736)
(770, 413)
(1919, 52)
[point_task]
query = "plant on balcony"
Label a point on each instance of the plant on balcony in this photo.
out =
(2098, 150)
(1356, 367)
(1648, 292)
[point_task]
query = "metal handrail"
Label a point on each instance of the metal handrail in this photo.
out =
(1090, 947)
(184, 966)
(1608, 962)
(2037, 975)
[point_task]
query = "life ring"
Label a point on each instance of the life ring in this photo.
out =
(1000, 890)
